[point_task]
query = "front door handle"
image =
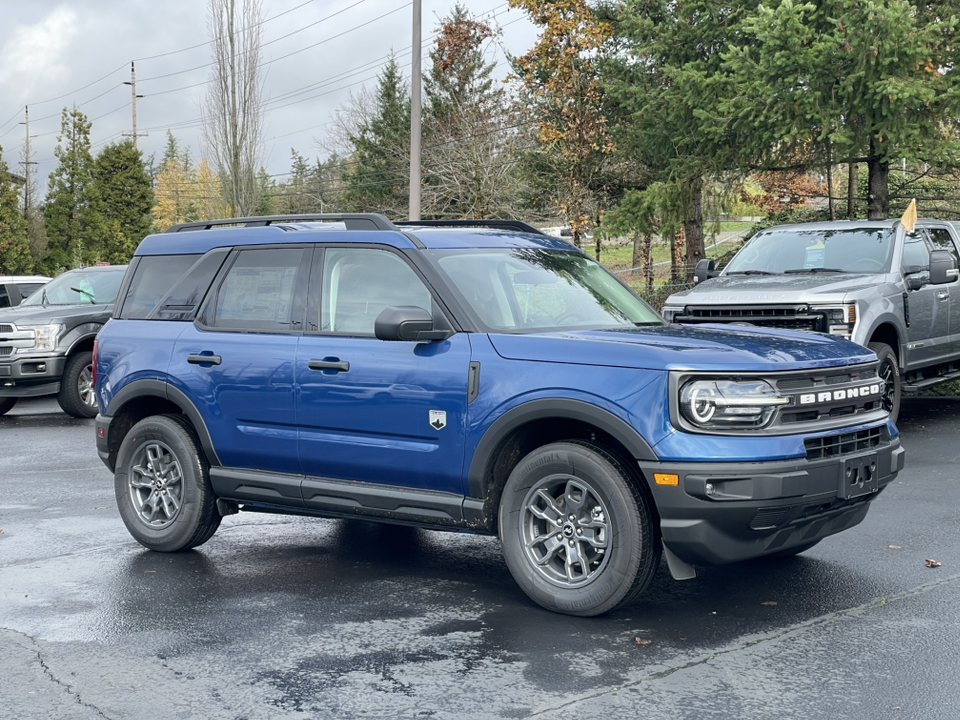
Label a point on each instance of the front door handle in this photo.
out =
(943, 296)
(329, 364)
(204, 359)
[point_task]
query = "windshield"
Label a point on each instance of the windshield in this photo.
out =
(855, 250)
(80, 287)
(532, 289)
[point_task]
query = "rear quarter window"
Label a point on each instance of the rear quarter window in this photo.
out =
(154, 277)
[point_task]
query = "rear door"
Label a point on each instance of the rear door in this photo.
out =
(369, 410)
(236, 363)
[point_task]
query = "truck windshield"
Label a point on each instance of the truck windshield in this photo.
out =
(80, 287)
(536, 290)
(853, 250)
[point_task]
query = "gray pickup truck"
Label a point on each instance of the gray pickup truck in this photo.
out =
(893, 291)
(46, 342)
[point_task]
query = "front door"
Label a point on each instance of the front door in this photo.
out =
(928, 332)
(377, 411)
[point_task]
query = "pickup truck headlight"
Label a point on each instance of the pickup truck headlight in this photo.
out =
(669, 313)
(725, 404)
(841, 320)
(46, 337)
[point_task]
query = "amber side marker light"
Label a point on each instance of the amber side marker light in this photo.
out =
(666, 479)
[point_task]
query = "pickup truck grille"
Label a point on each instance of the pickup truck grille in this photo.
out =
(6, 351)
(6, 328)
(785, 317)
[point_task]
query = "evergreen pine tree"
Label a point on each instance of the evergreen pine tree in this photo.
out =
(378, 177)
(76, 231)
(125, 198)
(15, 257)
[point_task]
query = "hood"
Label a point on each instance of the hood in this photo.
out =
(41, 314)
(715, 348)
(798, 288)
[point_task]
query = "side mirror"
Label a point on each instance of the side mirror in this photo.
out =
(407, 322)
(914, 281)
(943, 267)
(704, 270)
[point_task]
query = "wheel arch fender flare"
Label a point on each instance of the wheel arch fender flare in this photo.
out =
(165, 391)
(560, 408)
(79, 335)
(887, 329)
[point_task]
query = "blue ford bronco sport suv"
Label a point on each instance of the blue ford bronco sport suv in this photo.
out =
(483, 379)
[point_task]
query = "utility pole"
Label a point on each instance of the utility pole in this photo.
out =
(415, 81)
(133, 104)
(27, 162)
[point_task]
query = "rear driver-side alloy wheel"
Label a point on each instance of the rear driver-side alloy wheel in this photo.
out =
(577, 529)
(162, 486)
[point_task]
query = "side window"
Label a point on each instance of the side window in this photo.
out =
(28, 289)
(154, 276)
(915, 252)
(4, 297)
(942, 240)
(358, 284)
(257, 292)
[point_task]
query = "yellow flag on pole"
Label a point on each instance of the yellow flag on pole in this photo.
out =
(909, 219)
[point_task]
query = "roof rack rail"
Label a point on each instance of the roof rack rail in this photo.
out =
(496, 224)
(353, 221)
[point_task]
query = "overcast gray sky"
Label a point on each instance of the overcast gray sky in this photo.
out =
(78, 52)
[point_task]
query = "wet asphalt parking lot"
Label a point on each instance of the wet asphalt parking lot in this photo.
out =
(279, 617)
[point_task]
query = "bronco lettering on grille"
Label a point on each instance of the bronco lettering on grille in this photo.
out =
(835, 395)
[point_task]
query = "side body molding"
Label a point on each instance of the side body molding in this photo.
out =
(550, 408)
(165, 391)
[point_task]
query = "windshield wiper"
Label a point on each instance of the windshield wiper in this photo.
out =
(93, 299)
(799, 271)
(750, 272)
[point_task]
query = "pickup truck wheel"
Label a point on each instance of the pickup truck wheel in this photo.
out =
(889, 372)
(6, 405)
(162, 484)
(577, 530)
(77, 396)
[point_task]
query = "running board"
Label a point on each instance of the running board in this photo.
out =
(929, 382)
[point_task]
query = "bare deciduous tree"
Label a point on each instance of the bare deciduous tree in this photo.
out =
(233, 122)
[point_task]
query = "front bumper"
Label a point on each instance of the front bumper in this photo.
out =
(31, 376)
(727, 512)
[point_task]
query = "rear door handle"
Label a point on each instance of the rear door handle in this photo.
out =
(204, 359)
(329, 364)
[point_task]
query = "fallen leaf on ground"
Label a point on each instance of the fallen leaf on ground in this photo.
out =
(933, 563)
(895, 547)
(642, 641)
(769, 602)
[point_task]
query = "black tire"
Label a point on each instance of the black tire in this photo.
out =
(790, 552)
(77, 396)
(169, 509)
(889, 372)
(6, 404)
(591, 499)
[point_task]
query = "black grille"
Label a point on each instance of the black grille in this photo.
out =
(846, 444)
(6, 328)
(6, 350)
(796, 317)
(768, 518)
